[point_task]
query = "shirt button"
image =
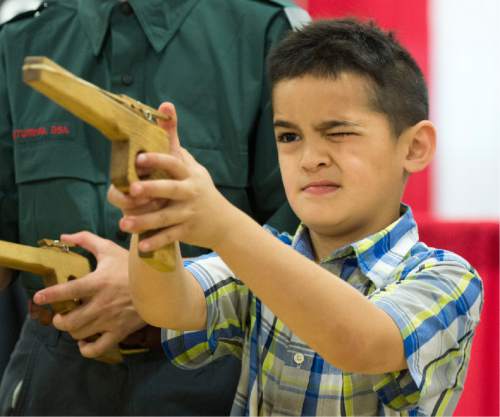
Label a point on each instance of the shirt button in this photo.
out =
(127, 79)
(126, 8)
(298, 358)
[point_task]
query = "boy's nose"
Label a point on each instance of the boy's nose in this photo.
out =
(314, 158)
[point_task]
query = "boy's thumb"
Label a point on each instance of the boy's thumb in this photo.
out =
(170, 126)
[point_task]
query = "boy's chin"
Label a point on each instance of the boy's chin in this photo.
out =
(326, 227)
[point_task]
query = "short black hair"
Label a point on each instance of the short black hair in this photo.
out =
(327, 48)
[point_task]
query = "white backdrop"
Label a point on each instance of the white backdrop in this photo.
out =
(465, 104)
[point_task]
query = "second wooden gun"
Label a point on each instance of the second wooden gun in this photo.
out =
(56, 264)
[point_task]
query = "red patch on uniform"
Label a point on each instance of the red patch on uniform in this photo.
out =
(39, 132)
(29, 133)
(59, 130)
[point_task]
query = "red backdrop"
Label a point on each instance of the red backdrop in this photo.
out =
(475, 241)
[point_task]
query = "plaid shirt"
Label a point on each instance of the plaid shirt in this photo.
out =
(434, 297)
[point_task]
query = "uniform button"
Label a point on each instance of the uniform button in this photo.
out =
(298, 358)
(126, 8)
(127, 79)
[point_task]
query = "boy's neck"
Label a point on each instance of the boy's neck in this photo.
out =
(324, 244)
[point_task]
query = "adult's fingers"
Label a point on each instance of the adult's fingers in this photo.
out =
(99, 346)
(71, 290)
(88, 241)
(78, 322)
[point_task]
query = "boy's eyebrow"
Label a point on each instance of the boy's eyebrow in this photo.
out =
(329, 124)
(284, 123)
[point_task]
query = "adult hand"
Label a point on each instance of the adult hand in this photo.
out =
(106, 308)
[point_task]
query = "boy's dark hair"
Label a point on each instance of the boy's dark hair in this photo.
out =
(327, 48)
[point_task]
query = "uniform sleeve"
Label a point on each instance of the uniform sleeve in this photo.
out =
(437, 309)
(8, 191)
(227, 311)
(266, 190)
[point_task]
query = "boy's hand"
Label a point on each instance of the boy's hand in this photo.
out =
(187, 206)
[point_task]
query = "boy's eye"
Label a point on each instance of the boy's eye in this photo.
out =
(340, 134)
(288, 137)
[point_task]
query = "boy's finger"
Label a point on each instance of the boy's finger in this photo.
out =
(166, 217)
(152, 205)
(162, 238)
(174, 167)
(124, 201)
(162, 189)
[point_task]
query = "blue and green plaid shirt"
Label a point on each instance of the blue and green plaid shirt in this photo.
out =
(434, 297)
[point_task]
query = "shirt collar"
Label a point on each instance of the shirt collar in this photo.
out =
(379, 254)
(159, 19)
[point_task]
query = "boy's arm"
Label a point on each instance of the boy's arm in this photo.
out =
(171, 300)
(333, 318)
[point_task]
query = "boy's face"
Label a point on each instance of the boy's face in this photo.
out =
(340, 162)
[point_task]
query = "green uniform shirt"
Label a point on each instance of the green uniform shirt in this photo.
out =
(207, 57)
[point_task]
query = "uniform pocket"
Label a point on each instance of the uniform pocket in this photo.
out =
(58, 149)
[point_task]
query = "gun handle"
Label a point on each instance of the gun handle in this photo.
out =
(163, 259)
(150, 139)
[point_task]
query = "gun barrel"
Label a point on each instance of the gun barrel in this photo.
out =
(42, 261)
(83, 99)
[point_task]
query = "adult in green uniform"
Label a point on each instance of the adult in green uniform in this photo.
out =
(208, 57)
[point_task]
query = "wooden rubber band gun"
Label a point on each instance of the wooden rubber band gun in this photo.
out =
(130, 126)
(56, 264)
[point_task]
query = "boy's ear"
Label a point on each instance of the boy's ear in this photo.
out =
(419, 142)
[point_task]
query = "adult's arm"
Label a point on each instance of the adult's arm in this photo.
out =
(8, 191)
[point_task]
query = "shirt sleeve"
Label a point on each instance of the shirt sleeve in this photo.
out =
(266, 190)
(227, 311)
(8, 190)
(436, 308)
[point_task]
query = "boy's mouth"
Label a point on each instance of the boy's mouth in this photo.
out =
(321, 187)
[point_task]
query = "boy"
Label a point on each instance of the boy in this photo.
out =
(351, 316)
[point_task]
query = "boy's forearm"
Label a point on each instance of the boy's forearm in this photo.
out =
(332, 317)
(5, 277)
(172, 300)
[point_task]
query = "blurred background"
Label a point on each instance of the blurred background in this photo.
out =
(456, 200)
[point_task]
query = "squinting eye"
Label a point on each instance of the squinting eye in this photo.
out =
(340, 134)
(288, 137)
